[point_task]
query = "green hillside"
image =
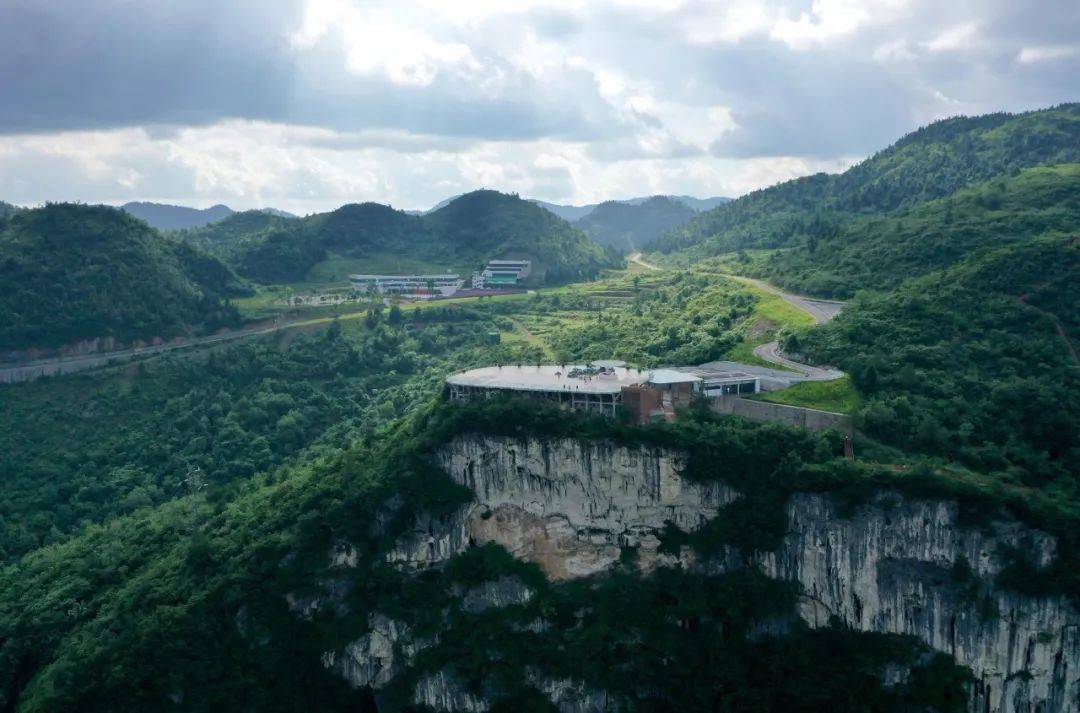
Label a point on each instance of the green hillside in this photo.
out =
(880, 253)
(627, 226)
(71, 272)
(487, 224)
(6, 210)
(977, 363)
(927, 164)
(470, 229)
(224, 236)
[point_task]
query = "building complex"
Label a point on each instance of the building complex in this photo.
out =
(601, 387)
(502, 273)
(414, 286)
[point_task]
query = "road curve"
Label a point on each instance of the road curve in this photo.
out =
(821, 310)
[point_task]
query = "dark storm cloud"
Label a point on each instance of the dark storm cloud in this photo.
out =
(101, 64)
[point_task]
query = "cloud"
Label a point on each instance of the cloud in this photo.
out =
(310, 103)
(1034, 55)
(954, 38)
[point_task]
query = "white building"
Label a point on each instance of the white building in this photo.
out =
(502, 273)
(415, 286)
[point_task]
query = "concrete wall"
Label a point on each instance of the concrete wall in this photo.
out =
(779, 413)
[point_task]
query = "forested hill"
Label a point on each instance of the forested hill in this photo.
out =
(470, 229)
(976, 363)
(629, 226)
(224, 237)
(72, 272)
(489, 224)
(6, 209)
(930, 163)
(881, 252)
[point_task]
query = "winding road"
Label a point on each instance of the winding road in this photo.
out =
(821, 310)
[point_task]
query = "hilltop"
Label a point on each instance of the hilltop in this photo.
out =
(71, 272)
(468, 230)
(574, 213)
(634, 226)
(175, 217)
(928, 164)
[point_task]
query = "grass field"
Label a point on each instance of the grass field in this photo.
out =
(838, 396)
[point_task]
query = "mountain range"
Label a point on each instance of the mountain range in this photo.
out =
(165, 216)
(462, 234)
(299, 520)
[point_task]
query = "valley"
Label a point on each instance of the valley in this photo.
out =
(253, 498)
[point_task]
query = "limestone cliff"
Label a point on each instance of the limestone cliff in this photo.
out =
(888, 566)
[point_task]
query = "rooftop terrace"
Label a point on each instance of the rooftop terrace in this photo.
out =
(610, 380)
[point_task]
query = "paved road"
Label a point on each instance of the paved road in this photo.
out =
(770, 352)
(821, 310)
(68, 365)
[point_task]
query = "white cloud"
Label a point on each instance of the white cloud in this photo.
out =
(895, 51)
(954, 38)
(827, 20)
(377, 41)
(730, 22)
(1035, 55)
(307, 104)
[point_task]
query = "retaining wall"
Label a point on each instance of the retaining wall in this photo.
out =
(781, 413)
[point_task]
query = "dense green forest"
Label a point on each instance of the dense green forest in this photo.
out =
(182, 606)
(930, 163)
(224, 237)
(976, 363)
(71, 272)
(634, 226)
(110, 443)
(880, 253)
(471, 229)
(6, 210)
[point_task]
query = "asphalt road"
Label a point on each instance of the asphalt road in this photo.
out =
(821, 310)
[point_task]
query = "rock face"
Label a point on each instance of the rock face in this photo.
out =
(886, 568)
(570, 506)
(376, 657)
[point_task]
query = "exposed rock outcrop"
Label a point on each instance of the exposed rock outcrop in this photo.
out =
(570, 506)
(886, 568)
(377, 656)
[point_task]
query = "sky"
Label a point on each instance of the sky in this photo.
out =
(305, 105)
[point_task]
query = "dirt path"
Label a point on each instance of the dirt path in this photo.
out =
(636, 258)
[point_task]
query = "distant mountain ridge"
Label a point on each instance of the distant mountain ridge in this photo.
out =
(176, 217)
(634, 226)
(573, 213)
(165, 216)
(470, 228)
